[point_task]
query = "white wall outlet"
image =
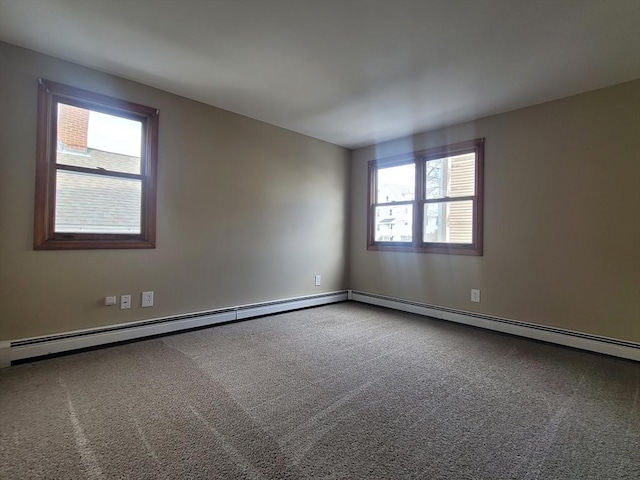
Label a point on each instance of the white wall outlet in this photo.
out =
(125, 302)
(147, 299)
(475, 295)
(318, 280)
(110, 300)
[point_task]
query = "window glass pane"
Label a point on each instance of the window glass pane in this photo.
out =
(448, 222)
(88, 203)
(396, 184)
(394, 224)
(97, 140)
(450, 177)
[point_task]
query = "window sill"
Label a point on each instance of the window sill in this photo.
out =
(451, 249)
(93, 244)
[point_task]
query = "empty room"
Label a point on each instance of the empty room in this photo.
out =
(320, 239)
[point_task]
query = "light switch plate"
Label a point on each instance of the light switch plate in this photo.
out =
(125, 302)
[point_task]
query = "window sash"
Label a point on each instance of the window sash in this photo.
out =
(67, 236)
(411, 217)
(97, 204)
(107, 110)
(449, 202)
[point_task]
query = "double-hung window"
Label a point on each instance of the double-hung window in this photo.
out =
(96, 171)
(428, 201)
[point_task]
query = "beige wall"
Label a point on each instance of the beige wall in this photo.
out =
(562, 219)
(246, 212)
(250, 212)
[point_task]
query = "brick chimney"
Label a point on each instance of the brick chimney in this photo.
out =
(73, 126)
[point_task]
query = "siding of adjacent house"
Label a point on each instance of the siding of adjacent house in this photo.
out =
(462, 180)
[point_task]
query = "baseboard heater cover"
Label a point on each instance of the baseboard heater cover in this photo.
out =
(584, 341)
(50, 344)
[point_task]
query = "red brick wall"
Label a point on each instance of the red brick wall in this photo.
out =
(73, 125)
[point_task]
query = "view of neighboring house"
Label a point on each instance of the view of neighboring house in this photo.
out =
(448, 221)
(87, 202)
(394, 223)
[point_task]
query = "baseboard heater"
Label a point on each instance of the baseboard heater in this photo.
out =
(26, 348)
(584, 341)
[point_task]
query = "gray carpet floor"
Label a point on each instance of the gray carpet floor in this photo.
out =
(345, 391)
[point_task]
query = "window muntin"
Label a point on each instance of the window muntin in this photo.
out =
(96, 171)
(443, 208)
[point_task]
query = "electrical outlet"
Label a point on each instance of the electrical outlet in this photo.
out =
(125, 302)
(108, 301)
(318, 280)
(147, 299)
(475, 295)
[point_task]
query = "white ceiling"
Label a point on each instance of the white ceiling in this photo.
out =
(351, 72)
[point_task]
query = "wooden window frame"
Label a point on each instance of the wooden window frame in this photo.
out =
(419, 159)
(50, 94)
